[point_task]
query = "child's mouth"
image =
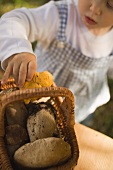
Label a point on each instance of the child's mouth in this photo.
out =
(90, 21)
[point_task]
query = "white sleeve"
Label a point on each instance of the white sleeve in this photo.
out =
(20, 27)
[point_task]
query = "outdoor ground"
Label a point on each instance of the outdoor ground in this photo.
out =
(102, 119)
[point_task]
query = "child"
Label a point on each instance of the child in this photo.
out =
(75, 43)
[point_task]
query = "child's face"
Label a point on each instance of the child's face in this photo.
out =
(96, 14)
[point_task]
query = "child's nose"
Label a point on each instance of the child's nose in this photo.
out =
(96, 7)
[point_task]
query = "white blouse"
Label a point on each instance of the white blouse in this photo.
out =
(20, 27)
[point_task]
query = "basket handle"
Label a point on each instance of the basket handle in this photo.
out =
(17, 95)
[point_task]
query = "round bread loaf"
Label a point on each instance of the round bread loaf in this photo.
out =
(41, 125)
(16, 113)
(43, 153)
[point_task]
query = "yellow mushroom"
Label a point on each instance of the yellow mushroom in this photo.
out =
(40, 79)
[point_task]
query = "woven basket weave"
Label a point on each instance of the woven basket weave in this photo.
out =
(63, 101)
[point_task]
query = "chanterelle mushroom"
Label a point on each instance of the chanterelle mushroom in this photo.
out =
(40, 79)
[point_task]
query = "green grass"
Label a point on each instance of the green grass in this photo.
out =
(7, 5)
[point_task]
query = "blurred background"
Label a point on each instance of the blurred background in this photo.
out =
(102, 119)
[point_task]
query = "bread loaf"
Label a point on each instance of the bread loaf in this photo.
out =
(43, 153)
(41, 125)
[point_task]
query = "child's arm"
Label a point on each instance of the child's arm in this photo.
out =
(18, 29)
(21, 66)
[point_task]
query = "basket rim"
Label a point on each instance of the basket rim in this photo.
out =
(55, 92)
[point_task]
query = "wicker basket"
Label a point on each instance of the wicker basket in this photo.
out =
(63, 101)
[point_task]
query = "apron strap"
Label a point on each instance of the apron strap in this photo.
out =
(63, 12)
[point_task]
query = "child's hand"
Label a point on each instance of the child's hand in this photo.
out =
(21, 66)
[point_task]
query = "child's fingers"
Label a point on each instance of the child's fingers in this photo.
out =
(31, 70)
(22, 74)
(6, 75)
(22, 67)
(15, 72)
